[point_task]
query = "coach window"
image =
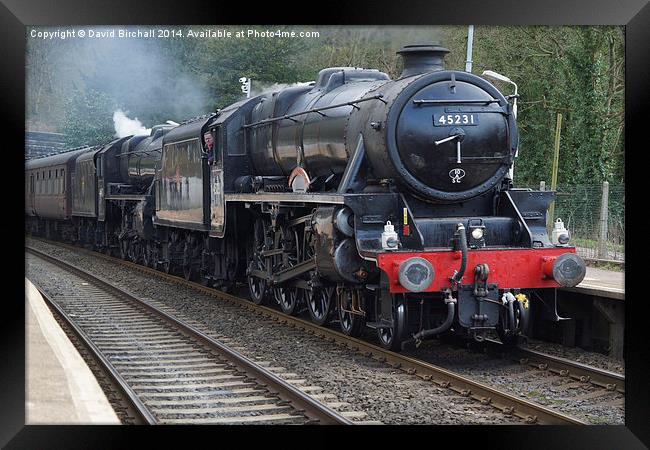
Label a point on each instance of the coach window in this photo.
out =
(63, 180)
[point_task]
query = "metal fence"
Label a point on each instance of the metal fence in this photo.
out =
(595, 218)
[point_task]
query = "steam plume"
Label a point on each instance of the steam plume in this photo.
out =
(126, 127)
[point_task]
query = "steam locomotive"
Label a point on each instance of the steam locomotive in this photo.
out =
(381, 203)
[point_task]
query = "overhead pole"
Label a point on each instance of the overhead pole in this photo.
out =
(556, 163)
(470, 42)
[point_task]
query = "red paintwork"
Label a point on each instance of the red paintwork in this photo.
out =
(509, 268)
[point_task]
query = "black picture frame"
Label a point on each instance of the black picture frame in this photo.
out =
(15, 15)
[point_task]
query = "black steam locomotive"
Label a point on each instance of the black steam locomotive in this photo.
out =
(384, 203)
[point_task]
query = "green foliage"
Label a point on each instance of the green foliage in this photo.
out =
(88, 118)
(575, 71)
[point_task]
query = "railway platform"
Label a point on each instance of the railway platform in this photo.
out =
(602, 283)
(596, 308)
(59, 386)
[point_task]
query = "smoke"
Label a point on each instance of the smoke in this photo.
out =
(126, 127)
(144, 76)
(263, 88)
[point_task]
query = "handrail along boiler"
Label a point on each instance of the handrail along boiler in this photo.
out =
(382, 203)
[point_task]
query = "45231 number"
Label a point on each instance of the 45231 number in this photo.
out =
(445, 120)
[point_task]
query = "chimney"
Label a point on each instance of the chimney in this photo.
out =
(421, 58)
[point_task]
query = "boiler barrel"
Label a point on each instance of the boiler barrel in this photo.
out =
(315, 139)
(141, 156)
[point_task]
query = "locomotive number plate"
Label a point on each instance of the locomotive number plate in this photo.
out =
(446, 120)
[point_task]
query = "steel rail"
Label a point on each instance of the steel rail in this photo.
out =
(314, 410)
(506, 403)
(606, 379)
(128, 394)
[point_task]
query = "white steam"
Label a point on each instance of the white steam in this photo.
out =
(126, 127)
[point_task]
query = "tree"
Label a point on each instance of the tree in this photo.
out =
(88, 118)
(576, 71)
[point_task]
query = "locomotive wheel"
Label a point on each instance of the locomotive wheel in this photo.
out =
(142, 252)
(224, 286)
(351, 324)
(135, 252)
(205, 281)
(124, 249)
(319, 304)
(146, 254)
(189, 271)
(172, 244)
(206, 269)
(108, 249)
(151, 255)
(289, 297)
(392, 338)
(257, 287)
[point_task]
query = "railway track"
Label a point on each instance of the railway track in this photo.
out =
(583, 373)
(169, 371)
(508, 404)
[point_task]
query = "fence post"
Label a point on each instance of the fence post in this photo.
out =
(604, 211)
